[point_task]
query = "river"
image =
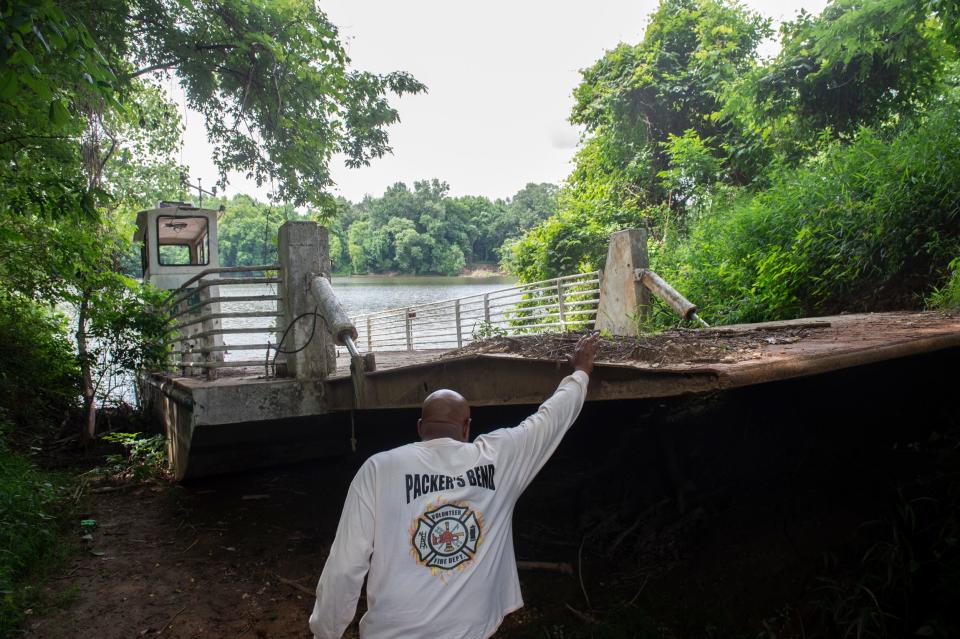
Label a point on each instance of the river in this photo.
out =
(360, 295)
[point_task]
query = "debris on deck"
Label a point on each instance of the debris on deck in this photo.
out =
(667, 348)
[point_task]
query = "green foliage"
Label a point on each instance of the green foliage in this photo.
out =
(39, 378)
(143, 457)
(864, 226)
(247, 231)
(424, 230)
(142, 139)
(272, 80)
(123, 338)
(694, 168)
(574, 240)
(819, 181)
(51, 72)
(854, 64)
(32, 508)
(654, 137)
(636, 98)
(947, 297)
(485, 330)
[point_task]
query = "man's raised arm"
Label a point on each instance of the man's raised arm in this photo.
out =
(535, 439)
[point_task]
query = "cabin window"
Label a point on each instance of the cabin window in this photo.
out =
(175, 255)
(183, 241)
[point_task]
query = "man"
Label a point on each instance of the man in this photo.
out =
(432, 521)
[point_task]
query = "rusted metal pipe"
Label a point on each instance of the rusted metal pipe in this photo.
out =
(329, 308)
(659, 287)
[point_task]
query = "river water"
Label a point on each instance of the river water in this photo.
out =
(361, 295)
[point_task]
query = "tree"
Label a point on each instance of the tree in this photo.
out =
(848, 66)
(86, 139)
(271, 79)
(51, 73)
(636, 96)
(411, 249)
(642, 106)
(424, 230)
(815, 182)
(853, 65)
(532, 204)
(368, 248)
(247, 231)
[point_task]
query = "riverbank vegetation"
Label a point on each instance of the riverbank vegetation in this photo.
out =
(425, 230)
(824, 179)
(415, 231)
(39, 386)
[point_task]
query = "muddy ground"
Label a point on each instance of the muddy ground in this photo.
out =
(768, 511)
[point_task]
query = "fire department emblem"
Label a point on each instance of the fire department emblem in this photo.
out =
(446, 536)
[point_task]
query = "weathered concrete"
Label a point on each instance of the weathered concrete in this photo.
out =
(172, 408)
(624, 301)
(280, 420)
(304, 254)
(229, 401)
(189, 407)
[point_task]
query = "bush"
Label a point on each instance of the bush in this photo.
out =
(947, 297)
(871, 225)
(143, 457)
(31, 511)
(39, 379)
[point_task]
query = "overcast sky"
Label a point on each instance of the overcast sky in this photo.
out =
(499, 78)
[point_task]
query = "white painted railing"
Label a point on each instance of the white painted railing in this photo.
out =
(198, 309)
(555, 305)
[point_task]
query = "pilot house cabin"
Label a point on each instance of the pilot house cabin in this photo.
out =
(178, 241)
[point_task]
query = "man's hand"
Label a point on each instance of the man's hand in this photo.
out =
(584, 352)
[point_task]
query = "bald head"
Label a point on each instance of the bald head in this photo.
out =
(445, 413)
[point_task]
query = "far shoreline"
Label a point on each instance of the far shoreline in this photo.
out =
(479, 273)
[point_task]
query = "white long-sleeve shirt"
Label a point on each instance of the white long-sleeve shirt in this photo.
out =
(432, 522)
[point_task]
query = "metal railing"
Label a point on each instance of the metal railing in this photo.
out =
(201, 315)
(558, 304)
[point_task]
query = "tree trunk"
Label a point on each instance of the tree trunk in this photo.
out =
(88, 429)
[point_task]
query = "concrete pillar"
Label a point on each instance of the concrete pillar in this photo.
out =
(304, 253)
(624, 301)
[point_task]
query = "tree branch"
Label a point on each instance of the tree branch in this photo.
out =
(215, 47)
(153, 67)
